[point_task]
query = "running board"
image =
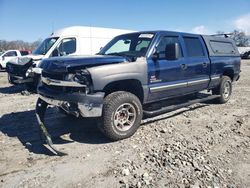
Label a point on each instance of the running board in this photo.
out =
(178, 106)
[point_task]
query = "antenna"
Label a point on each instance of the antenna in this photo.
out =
(91, 45)
(52, 27)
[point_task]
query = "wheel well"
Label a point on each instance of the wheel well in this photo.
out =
(131, 85)
(229, 73)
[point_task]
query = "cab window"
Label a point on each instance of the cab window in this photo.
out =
(67, 46)
(10, 54)
(194, 47)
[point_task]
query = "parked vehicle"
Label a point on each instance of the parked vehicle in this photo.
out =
(246, 55)
(134, 70)
(76, 40)
(10, 54)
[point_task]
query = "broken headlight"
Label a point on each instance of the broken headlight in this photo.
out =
(82, 77)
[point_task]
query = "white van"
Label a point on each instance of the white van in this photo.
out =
(69, 41)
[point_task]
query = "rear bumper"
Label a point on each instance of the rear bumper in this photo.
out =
(77, 104)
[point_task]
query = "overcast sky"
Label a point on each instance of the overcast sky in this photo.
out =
(30, 20)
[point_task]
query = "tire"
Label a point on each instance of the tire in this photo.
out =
(30, 86)
(224, 90)
(122, 115)
(11, 79)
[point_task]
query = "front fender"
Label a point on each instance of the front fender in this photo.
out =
(103, 75)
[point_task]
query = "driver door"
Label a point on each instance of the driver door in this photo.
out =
(66, 47)
(166, 78)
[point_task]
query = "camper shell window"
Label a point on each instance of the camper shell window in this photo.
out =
(222, 47)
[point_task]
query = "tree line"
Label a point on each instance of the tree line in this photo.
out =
(240, 38)
(18, 45)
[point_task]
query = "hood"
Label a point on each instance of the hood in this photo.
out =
(25, 59)
(70, 64)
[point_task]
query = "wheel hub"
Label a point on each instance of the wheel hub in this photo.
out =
(124, 117)
(226, 90)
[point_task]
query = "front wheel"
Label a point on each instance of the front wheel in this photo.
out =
(11, 79)
(224, 90)
(122, 114)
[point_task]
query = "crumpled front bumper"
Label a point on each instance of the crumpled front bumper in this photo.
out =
(86, 105)
(77, 104)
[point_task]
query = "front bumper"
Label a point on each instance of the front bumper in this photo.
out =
(20, 79)
(77, 104)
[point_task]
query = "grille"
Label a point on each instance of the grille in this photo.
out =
(60, 89)
(16, 69)
(56, 76)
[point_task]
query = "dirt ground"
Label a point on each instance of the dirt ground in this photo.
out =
(205, 145)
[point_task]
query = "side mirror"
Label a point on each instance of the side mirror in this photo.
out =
(3, 57)
(172, 51)
(155, 56)
(55, 53)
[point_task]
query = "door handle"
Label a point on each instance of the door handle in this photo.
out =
(184, 66)
(204, 65)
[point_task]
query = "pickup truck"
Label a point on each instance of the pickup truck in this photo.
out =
(134, 70)
(10, 54)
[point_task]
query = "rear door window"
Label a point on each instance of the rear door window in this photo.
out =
(194, 47)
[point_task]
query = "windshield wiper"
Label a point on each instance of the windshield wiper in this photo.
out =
(116, 53)
(121, 54)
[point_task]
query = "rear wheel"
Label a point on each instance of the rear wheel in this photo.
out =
(122, 114)
(224, 90)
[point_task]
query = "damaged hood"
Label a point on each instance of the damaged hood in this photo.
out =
(25, 59)
(68, 64)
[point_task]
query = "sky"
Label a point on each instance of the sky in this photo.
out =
(30, 20)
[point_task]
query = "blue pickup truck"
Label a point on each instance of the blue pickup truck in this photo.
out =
(134, 70)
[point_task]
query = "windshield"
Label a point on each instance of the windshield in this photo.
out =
(132, 45)
(44, 47)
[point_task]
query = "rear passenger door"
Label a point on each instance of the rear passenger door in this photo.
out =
(197, 63)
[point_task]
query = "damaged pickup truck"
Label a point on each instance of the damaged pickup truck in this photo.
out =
(134, 70)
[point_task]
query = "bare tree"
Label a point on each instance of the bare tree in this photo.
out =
(240, 38)
(18, 45)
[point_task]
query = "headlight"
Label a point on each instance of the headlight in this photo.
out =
(82, 77)
(29, 73)
(69, 77)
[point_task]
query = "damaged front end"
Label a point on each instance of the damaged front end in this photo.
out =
(41, 107)
(71, 93)
(21, 70)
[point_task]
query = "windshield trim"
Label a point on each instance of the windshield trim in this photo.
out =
(104, 50)
(40, 45)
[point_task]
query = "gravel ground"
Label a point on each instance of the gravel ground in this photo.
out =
(205, 145)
